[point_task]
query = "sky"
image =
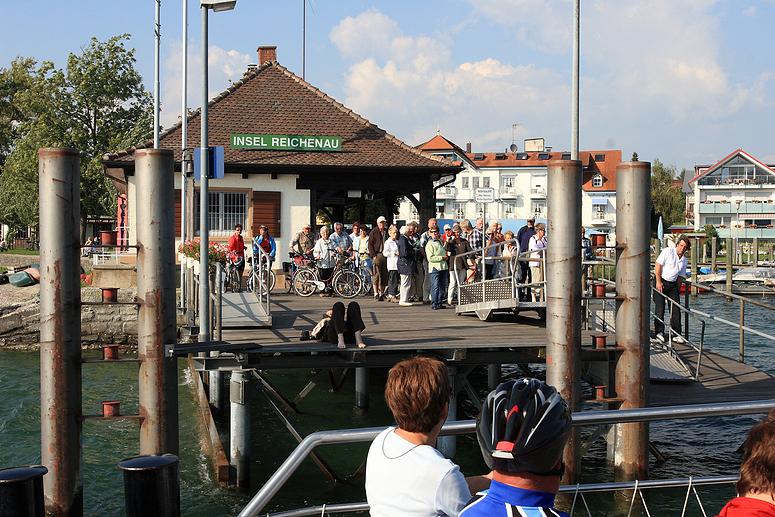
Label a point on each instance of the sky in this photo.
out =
(683, 81)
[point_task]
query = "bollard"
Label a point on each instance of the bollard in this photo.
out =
(629, 442)
(156, 317)
(600, 392)
(60, 329)
(599, 340)
(598, 290)
(361, 389)
(151, 486)
(563, 291)
(21, 491)
(239, 427)
(110, 352)
(447, 445)
(111, 408)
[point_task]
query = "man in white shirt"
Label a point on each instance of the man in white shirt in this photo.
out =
(405, 474)
(670, 271)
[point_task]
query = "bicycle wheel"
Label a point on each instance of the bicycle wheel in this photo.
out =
(233, 281)
(347, 284)
(304, 282)
(365, 275)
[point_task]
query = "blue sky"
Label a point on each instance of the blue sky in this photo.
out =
(686, 81)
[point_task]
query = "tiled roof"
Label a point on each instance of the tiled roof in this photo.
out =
(606, 167)
(272, 100)
(438, 143)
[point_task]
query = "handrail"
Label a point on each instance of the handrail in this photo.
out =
(583, 418)
(646, 484)
(259, 271)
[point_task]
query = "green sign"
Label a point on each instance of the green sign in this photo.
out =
(286, 142)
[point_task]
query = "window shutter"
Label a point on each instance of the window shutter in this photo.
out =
(266, 210)
(176, 214)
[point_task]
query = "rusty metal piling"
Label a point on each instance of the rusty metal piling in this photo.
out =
(158, 383)
(633, 288)
(60, 329)
(563, 290)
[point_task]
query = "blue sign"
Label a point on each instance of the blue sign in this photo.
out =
(215, 168)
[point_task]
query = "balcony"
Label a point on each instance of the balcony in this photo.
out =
(509, 193)
(602, 219)
(751, 207)
(745, 233)
(446, 193)
(537, 192)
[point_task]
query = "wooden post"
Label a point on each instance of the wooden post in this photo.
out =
(695, 254)
(713, 253)
(756, 251)
(730, 261)
(741, 338)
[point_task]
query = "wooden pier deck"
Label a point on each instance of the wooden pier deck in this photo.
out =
(394, 332)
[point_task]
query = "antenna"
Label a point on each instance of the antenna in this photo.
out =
(303, 39)
(514, 133)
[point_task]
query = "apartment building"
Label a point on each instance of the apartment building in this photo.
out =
(736, 195)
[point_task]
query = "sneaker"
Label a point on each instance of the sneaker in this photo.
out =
(381, 298)
(405, 304)
(679, 339)
(660, 337)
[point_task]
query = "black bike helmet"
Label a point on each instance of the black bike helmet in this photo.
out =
(523, 427)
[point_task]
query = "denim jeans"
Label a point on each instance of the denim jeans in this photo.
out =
(438, 287)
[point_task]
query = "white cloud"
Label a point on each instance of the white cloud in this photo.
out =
(225, 67)
(750, 10)
(411, 86)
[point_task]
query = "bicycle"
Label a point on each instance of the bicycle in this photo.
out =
(363, 269)
(250, 287)
(343, 280)
(233, 279)
(298, 261)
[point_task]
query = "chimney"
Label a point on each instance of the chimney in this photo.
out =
(468, 147)
(266, 54)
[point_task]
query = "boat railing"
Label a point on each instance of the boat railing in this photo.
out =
(461, 427)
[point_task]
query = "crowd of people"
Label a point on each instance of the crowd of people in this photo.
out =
(522, 430)
(410, 265)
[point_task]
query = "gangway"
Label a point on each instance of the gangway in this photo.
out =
(486, 296)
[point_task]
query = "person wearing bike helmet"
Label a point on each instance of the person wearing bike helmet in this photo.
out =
(522, 431)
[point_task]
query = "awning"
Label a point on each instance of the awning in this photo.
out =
(599, 201)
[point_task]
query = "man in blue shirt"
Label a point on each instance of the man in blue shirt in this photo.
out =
(522, 431)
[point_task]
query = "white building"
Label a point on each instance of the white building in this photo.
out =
(736, 195)
(518, 182)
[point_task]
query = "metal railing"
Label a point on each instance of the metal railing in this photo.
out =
(577, 490)
(261, 271)
(512, 264)
(584, 418)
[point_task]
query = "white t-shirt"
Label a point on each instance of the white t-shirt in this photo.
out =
(672, 265)
(404, 479)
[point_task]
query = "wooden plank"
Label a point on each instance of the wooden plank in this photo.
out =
(243, 311)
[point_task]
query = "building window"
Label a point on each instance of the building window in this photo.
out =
(715, 221)
(225, 210)
(475, 182)
(486, 182)
(480, 209)
(597, 180)
(465, 182)
(539, 208)
(508, 181)
(599, 212)
(599, 157)
(509, 209)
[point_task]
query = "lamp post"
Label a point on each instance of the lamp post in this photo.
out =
(204, 227)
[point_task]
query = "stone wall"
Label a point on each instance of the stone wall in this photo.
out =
(100, 324)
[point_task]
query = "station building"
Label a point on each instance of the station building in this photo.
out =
(516, 182)
(290, 153)
(736, 195)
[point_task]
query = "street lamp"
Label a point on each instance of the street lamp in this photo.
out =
(204, 227)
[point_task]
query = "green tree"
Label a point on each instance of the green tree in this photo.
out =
(668, 199)
(95, 105)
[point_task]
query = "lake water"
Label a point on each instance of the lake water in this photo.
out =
(693, 447)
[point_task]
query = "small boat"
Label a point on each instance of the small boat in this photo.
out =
(746, 280)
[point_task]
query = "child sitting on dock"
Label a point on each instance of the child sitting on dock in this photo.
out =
(341, 326)
(405, 474)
